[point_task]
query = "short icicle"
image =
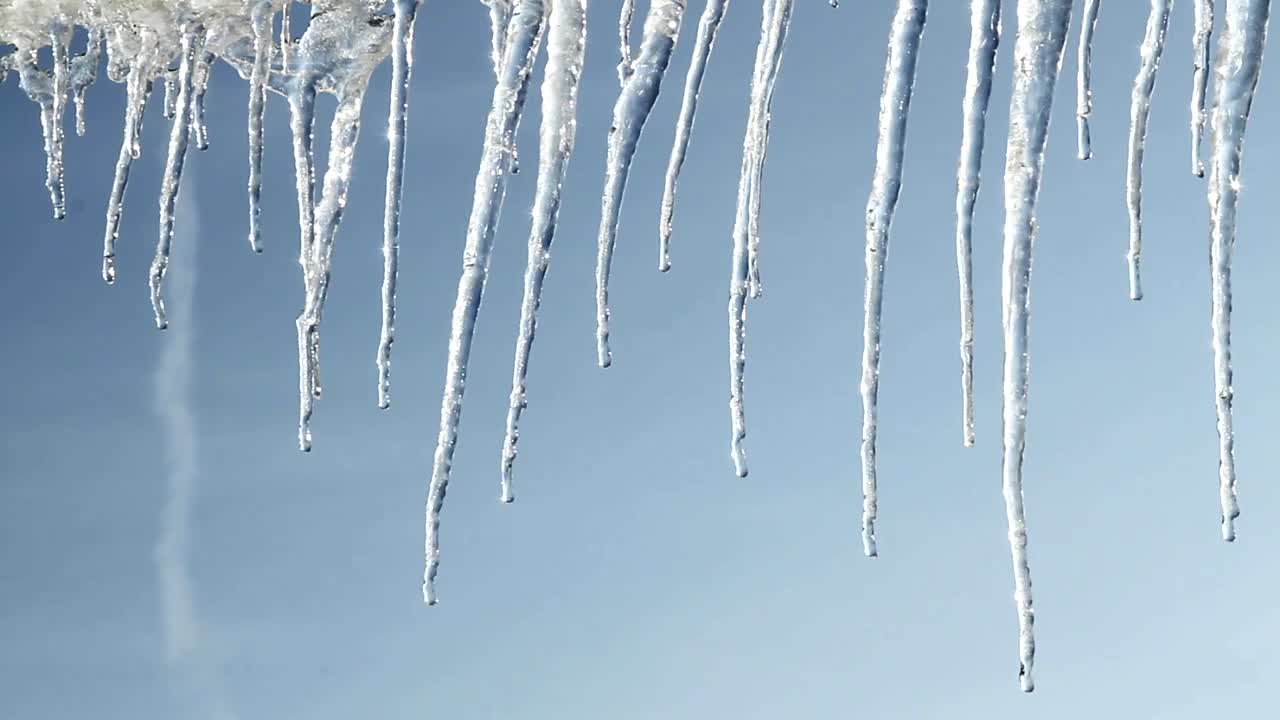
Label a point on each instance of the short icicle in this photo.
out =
(397, 121)
(566, 41)
(625, 15)
(1037, 60)
(1200, 80)
(708, 27)
(200, 85)
(895, 101)
(1084, 79)
(774, 21)
(640, 88)
(984, 38)
(193, 36)
(138, 90)
(1139, 113)
(523, 39)
(1239, 61)
(84, 72)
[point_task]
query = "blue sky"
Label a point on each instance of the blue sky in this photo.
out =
(636, 576)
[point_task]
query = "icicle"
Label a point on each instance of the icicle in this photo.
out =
(302, 117)
(138, 91)
(775, 19)
(170, 93)
(192, 47)
(1139, 112)
(708, 26)
(260, 19)
(566, 41)
(779, 21)
(200, 83)
(286, 37)
(984, 39)
(84, 72)
(1244, 35)
(625, 15)
(639, 93)
(1037, 59)
(523, 38)
(1084, 78)
(499, 18)
(895, 101)
(1199, 80)
(49, 91)
(401, 71)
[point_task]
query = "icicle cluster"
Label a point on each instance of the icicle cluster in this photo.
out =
(175, 41)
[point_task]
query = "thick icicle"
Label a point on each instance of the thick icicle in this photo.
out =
(1139, 112)
(708, 26)
(1084, 79)
(984, 38)
(1200, 80)
(775, 19)
(566, 41)
(1244, 35)
(640, 89)
(193, 36)
(260, 19)
(398, 118)
(523, 39)
(138, 91)
(895, 101)
(1037, 60)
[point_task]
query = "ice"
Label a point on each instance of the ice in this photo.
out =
(1084, 78)
(895, 102)
(1139, 113)
(1200, 80)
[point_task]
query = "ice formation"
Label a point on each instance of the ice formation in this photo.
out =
(174, 43)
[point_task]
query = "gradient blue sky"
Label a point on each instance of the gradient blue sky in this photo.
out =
(636, 577)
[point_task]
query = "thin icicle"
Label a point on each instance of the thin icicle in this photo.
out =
(200, 84)
(1200, 80)
(398, 118)
(170, 93)
(895, 101)
(84, 72)
(775, 19)
(193, 36)
(640, 90)
(523, 38)
(708, 27)
(1037, 60)
(499, 18)
(1084, 79)
(779, 22)
(984, 39)
(1139, 112)
(49, 91)
(286, 37)
(138, 90)
(566, 41)
(1244, 36)
(260, 19)
(625, 15)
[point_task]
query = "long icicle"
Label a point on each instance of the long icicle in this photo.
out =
(780, 21)
(984, 39)
(1244, 36)
(523, 38)
(302, 118)
(138, 90)
(260, 19)
(708, 27)
(895, 101)
(1200, 80)
(566, 42)
(1139, 113)
(398, 118)
(1037, 60)
(640, 90)
(1084, 79)
(193, 36)
(775, 18)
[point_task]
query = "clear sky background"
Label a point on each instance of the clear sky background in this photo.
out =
(635, 576)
